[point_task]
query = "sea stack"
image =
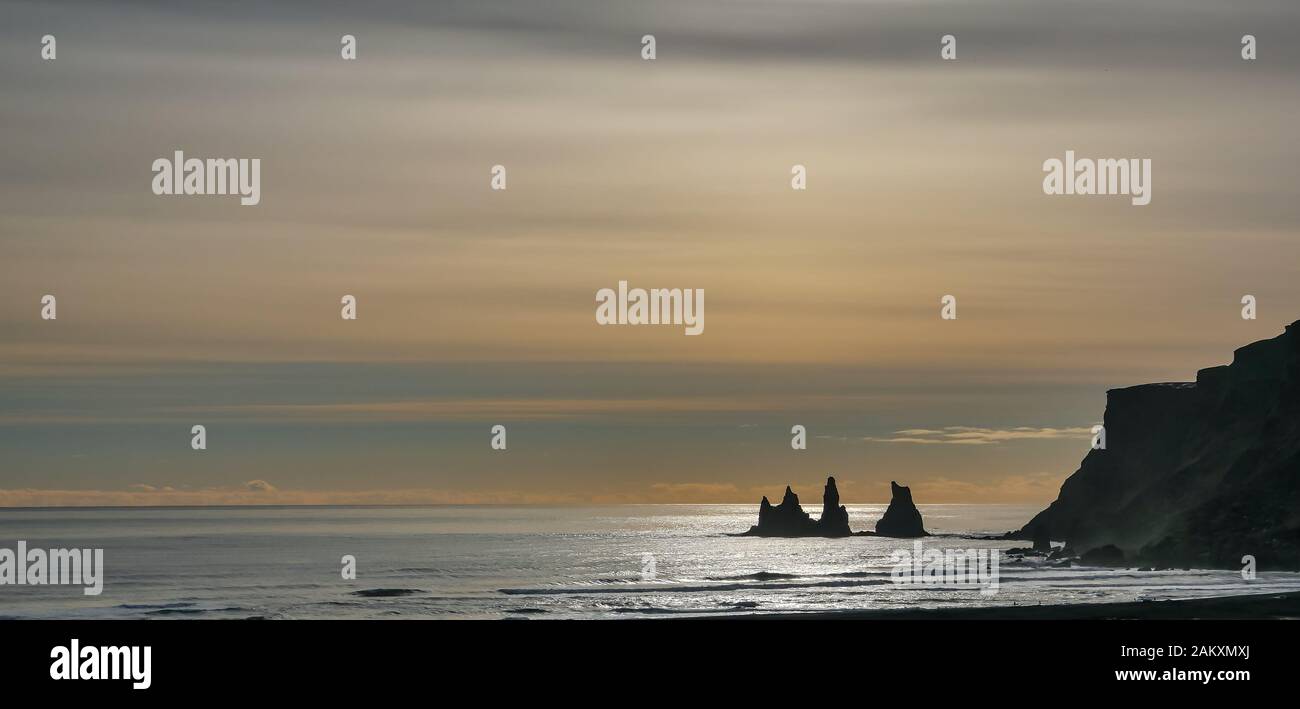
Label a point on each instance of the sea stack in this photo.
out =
(835, 517)
(901, 519)
(789, 520)
(785, 520)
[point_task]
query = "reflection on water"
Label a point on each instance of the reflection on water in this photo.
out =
(538, 562)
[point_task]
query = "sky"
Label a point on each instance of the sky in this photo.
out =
(476, 306)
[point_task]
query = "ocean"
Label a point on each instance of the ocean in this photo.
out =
(535, 562)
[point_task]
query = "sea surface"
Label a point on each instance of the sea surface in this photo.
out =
(535, 562)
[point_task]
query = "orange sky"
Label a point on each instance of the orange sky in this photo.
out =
(476, 307)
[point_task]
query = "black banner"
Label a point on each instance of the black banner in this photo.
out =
(205, 659)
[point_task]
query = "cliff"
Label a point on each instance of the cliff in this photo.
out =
(1194, 473)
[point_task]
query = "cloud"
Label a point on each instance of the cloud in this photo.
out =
(1027, 489)
(141, 487)
(259, 492)
(695, 492)
(977, 436)
(458, 409)
(1033, 488)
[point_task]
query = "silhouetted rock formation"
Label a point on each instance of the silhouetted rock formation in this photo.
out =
(785, 520)
(1109, 555)
(835, 517)
(901, 519)
(1194, 473)
(1042, 539)
(789, 520)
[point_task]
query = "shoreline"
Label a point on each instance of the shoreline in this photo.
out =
(1257, 606)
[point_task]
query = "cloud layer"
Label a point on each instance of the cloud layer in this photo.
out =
(476, 308)
(976, 436)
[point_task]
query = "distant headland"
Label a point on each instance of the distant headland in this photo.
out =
(1203, 473)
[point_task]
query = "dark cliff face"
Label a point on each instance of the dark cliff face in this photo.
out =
(1195, 473)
